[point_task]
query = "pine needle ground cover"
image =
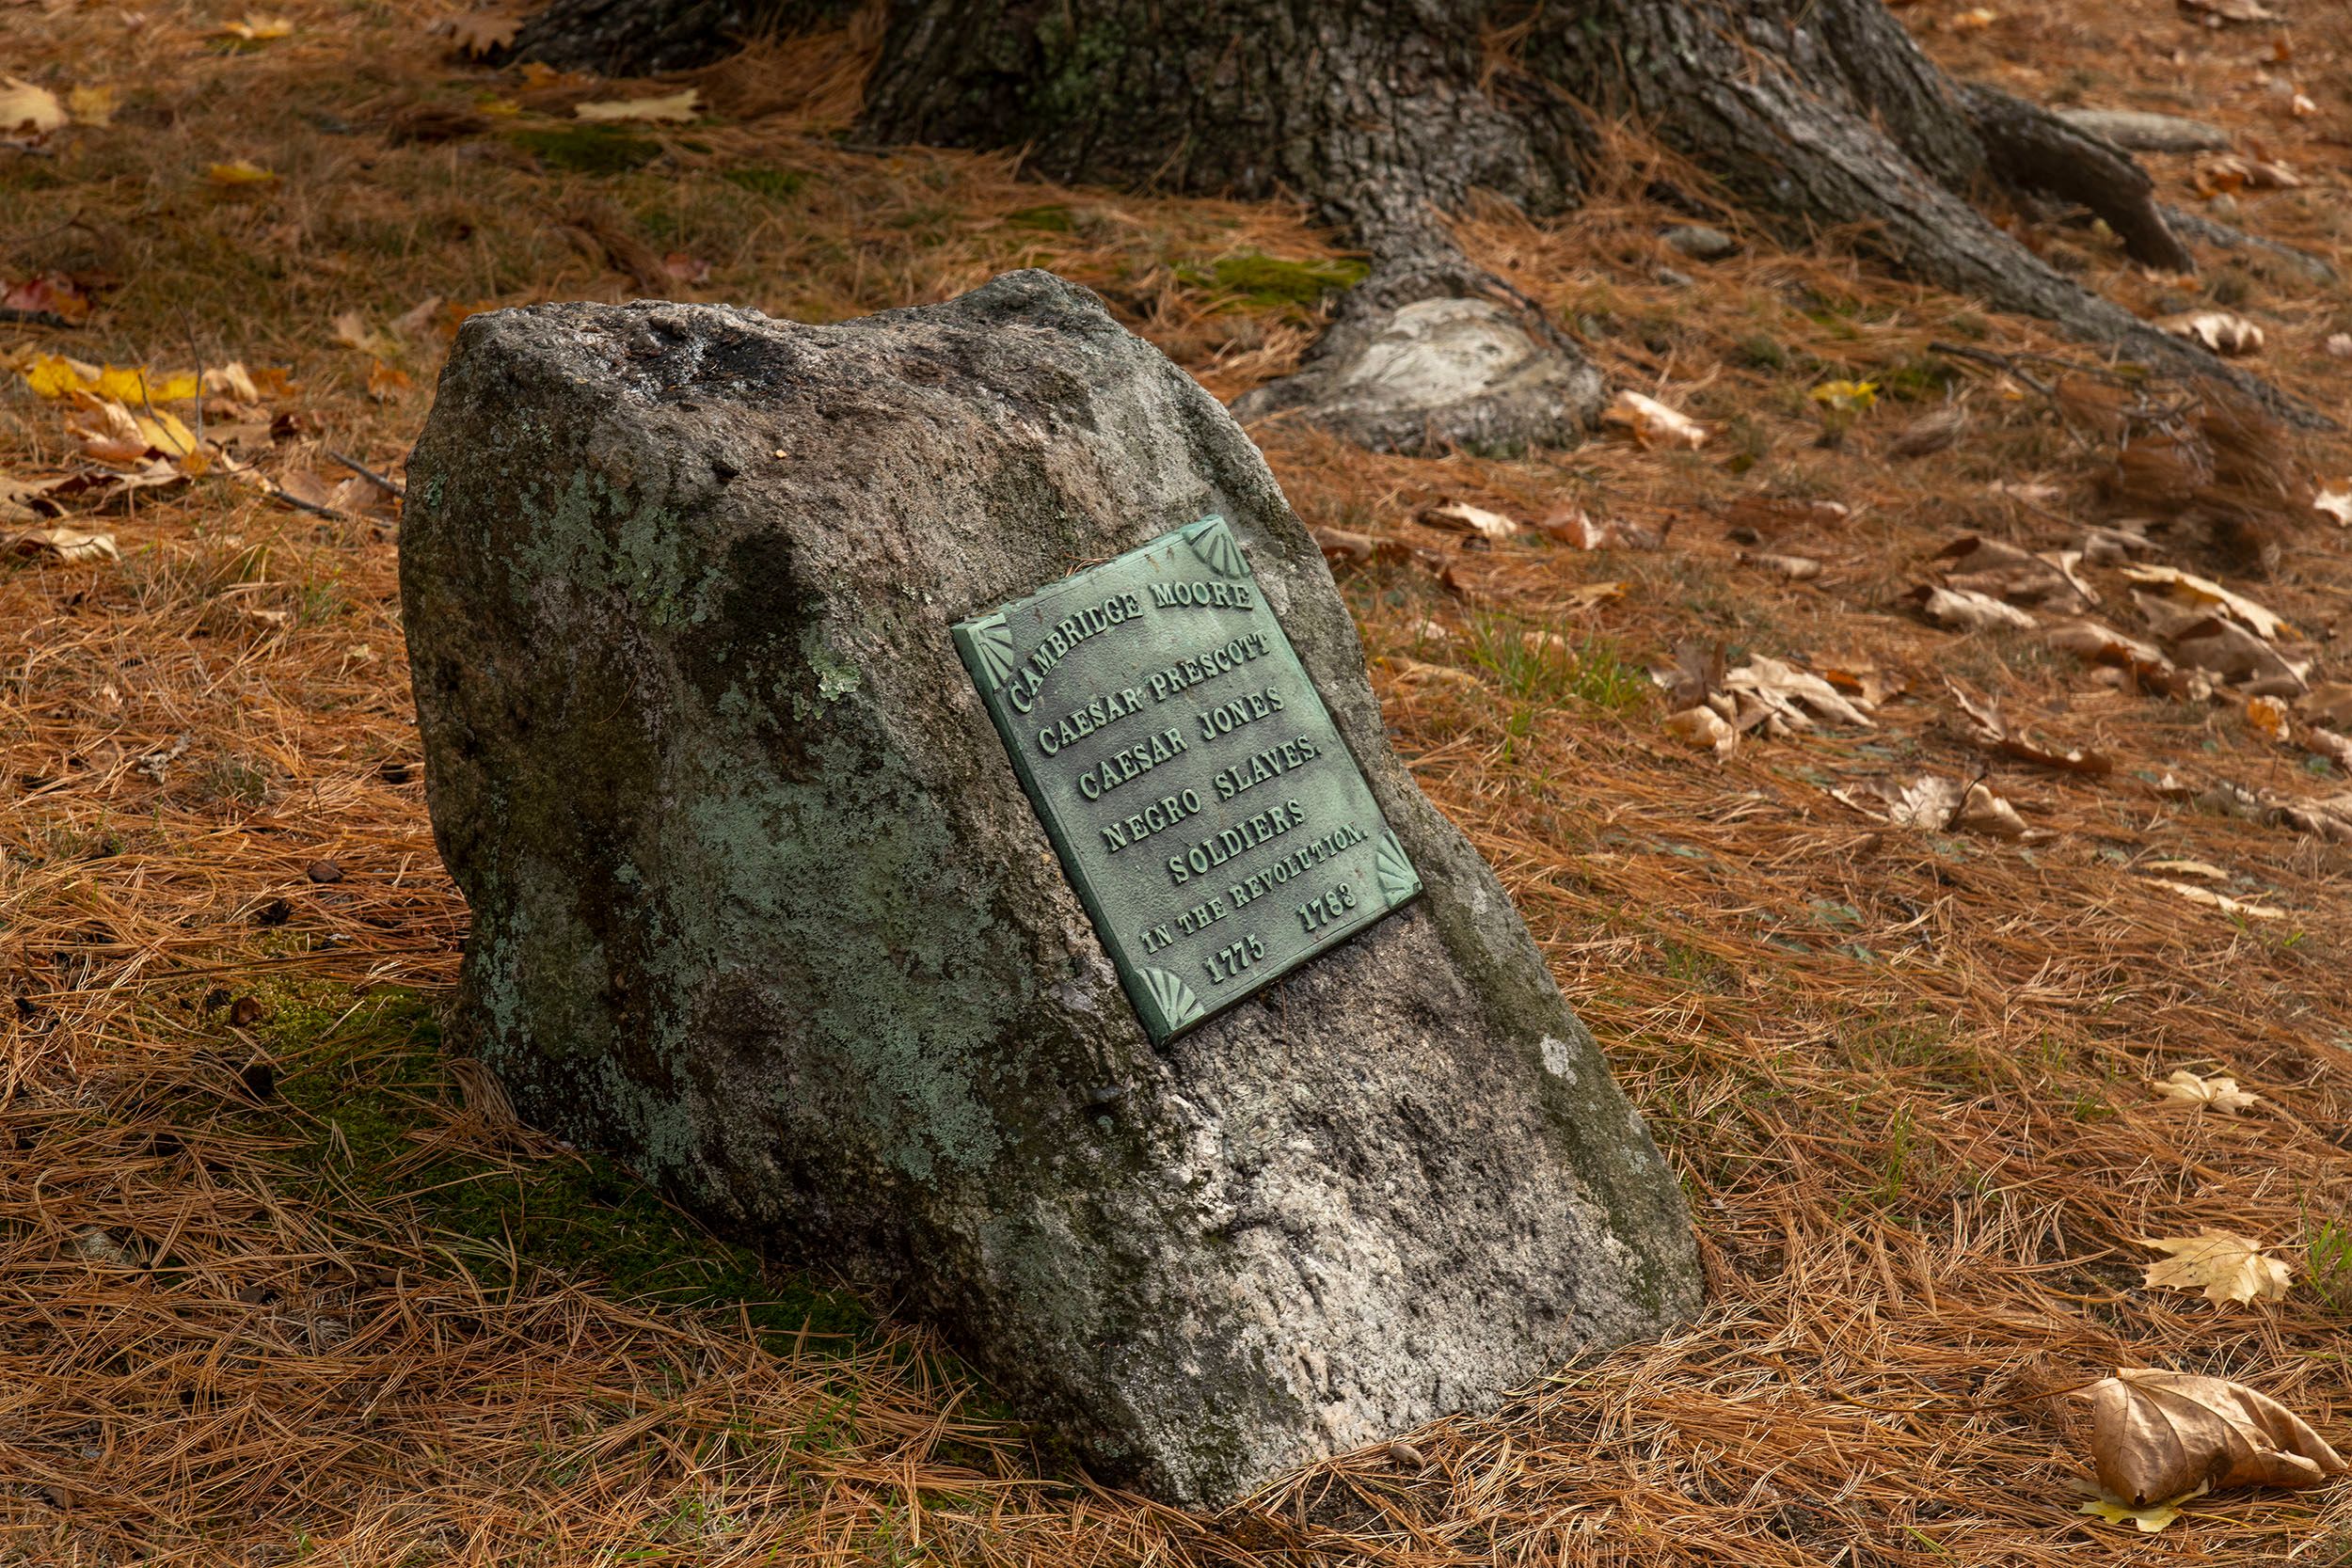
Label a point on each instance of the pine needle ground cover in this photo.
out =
(281, 1281)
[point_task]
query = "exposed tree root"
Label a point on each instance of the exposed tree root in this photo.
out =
(1819, 115)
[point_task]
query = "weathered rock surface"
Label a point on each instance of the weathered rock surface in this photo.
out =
(759, 903)
(1425, 356)
(1700, 242)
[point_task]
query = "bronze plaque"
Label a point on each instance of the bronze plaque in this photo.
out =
(1204, 805)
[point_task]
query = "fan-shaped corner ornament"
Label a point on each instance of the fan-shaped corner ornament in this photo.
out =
(1211, 539)
(1398, 879)
(1178, 1006)
(992, 640)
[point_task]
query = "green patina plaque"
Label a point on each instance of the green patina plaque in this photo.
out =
(1204, 805)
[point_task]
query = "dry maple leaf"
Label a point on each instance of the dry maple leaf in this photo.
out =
(2234, 171)
(256, 28)
(1975, 564)
(1792, 695)
(2267, 718)
(2186, 1089)
(1984, 812)
(2221, 901)
(2220, 13)
(674, 106)
(63, 544)
(2224, 1265)
(351, 330)
(2329, 702)
(2158, 1436)
(1462, 518)
(1796, 568)
(48, 294)
(1703, 728)
(2222, 647)
(2225, 332)
(419, 318)
(1651, 424)
(2204, 591)
(1966, 610)
(27, 110)
(1929, 803)
(478, 33)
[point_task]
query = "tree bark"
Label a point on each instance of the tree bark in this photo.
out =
(1383, 115)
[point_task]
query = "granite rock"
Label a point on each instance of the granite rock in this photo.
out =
(758, 905)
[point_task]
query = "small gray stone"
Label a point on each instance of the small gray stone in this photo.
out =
(1673, 279)
(1699, 242)
(759, 904)
(1437, 374)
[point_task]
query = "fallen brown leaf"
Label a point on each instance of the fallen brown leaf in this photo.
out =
(2184, 1089)
(1651, 424)
(1462, 518)
(1705, 728)
(26, 110)
(480, 32)
(1973, 563)
(2096, 642)
(2221, 901)
(2205, 591)
(2158, 1436)
(1784, 695)
(1796, 568)
(2225, 648)
(2225, 1266)
(681, 105)
(62, 545)
(2224, 332)
(1964, 610)
(1987, 728)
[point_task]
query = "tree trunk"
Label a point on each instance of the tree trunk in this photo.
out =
(1383, 115)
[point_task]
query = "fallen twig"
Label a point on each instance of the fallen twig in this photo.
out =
(391, 487)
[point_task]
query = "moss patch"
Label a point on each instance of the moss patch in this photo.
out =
(361, 1076)
(587, 149)
(1051, 218)
(775, 184)
(1267, 280)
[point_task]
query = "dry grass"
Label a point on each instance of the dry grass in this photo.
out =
(282, 1284)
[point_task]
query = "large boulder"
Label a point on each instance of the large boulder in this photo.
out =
(759, 904)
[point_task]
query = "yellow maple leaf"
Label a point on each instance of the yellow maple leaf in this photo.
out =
(52, 375)
(132, 384)
(238, 171)
(2227, 1267)
(91, 105)
(1851, 395)
(2150, 1520)
(165, 434)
